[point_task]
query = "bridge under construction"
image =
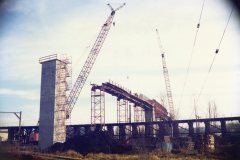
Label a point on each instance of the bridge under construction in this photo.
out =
(156, 130)
(152, 121)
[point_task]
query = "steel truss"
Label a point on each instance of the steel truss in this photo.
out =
(138, 114)
(122, 111)
(97, 107)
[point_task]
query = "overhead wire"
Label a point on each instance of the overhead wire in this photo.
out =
(191, 54)
(216, 52)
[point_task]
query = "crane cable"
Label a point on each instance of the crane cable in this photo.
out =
(191, 55)
(216, 52)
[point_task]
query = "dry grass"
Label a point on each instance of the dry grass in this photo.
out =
(146, 156)
(143, 155)
(70, 153)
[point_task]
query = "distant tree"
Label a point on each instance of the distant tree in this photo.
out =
(212, 110)
(196, 116)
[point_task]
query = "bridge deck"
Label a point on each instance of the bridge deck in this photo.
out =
(121, 93)
(145, 123)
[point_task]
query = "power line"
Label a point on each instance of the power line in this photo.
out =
(218, 48)
(206, 78)
(191, 54)
(216, 52)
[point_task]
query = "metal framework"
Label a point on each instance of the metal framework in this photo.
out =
(138, 114)
(166, 78)
(63, 85)
(122, 111)
(134, 99)
(97, 107)
(82, 77)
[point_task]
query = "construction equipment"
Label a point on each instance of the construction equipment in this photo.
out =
(82, 77)
(166, 77)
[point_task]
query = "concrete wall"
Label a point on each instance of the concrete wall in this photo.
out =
(47, 104)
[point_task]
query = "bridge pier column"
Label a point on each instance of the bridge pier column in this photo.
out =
(148, 115)
(134, 131)
(161, 130)
(207, 127)
(76, 131)
(175, 130)
(148, 130)
(191, 129)
(87, 129)
(110, 130)
(122, 132)
(223, 128)
(98, 127)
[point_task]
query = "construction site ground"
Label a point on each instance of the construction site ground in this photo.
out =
(72, 155)
(16, 152)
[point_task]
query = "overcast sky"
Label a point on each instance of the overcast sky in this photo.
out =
(130, 55)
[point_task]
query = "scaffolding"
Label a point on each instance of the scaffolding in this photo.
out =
(97, 107)
(122, 111)
(62, 89)
(138, 114)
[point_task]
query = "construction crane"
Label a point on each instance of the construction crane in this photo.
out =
(166, 78)
(82, 77)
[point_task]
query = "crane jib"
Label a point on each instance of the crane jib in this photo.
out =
(82, 77)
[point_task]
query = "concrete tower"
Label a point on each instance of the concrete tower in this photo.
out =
(54, 87)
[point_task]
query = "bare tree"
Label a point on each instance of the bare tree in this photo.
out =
(209, 109)
(196, 116)
(212, 110)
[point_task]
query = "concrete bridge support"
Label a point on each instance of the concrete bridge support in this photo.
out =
(175, 130)
(110, 130)
(161, 130)
(207, 127)
(122, 133)
(87, 129)
(191, 129)
(76, 131)
(148, 130)
(134, 131)
(223, 128)
(148, 115)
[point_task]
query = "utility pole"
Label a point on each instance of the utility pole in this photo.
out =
(19, 116)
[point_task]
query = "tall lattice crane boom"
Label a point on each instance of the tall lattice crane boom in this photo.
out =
(166, 78)
(82, 77)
